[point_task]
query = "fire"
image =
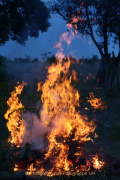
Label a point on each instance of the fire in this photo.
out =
(15, 125)
(16, 167)
(74, 74)
(90, 75)
(59, 101)
(39, 86)
(69, 129)
(75, 20)
(30, 170)
(96, 163)
(96, 135)
(96, 103)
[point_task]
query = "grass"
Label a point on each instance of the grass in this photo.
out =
(108, 121)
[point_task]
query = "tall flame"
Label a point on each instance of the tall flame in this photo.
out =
(15, 125)
(59, 101)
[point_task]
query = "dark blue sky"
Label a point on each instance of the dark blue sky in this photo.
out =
(36, 47)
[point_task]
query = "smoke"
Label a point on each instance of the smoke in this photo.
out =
(31, 73)
(35, 131)
(28, 72)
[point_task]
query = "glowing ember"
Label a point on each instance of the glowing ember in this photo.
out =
(96, 135)
(31, 170)
(90, 75)
(96, 163)
(16, 167)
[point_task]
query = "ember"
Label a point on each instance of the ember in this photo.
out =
(96, 163)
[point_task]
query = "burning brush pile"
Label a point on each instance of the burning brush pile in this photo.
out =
(54, 143)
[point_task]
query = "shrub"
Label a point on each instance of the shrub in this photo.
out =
(22, 60)
(2, 59)
(2, 69)
(95, 58)
(35, 60)
(52, 59)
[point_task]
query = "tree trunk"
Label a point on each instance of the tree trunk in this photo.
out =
(114, 71)
(107, 72)
(103, 71)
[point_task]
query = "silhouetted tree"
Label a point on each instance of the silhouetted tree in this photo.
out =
(22, 18)
(100, 17)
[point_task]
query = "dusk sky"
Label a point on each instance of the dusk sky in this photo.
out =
(36, 47)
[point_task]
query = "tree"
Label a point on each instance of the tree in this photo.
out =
(111, 26)
(22, 18)
(100, 17)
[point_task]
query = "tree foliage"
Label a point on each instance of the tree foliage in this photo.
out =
(22, 18)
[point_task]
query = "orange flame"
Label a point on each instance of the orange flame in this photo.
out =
(16, 167)
(74, 74)
(96, 103)
(15, 125)
(96, 163)
(39, 88)
(59, 101)
(90, 75)
(30, 170)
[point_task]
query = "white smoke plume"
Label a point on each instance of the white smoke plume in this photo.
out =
(35, 131)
